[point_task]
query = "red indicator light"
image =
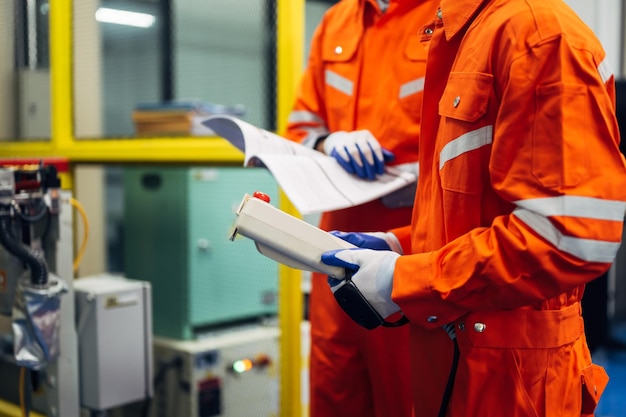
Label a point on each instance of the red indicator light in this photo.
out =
(261, 196)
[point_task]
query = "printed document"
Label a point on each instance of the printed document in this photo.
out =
(312, 181)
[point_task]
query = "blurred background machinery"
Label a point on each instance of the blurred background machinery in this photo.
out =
(230, 373)
(67, 346)
(115, 341)
(38, 344)
(177, 221)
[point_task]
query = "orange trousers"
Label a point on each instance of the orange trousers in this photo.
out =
(355, 372)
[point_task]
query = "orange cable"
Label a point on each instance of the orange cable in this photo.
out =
(81, 251)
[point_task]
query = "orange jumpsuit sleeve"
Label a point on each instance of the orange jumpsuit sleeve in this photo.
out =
(554, 162)
(305, 123)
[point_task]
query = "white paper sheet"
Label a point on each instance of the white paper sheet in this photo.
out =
(312, 181)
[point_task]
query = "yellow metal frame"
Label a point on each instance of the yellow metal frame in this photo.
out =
(63, 143)
(8, 409)
(290, 50)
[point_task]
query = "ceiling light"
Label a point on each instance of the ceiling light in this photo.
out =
(123, 17)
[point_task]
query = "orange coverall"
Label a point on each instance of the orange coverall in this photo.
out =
(520, 202)
(365, 71)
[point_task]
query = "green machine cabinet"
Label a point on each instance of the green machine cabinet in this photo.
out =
(177, 226)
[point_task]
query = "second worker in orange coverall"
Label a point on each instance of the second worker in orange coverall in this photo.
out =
(363, 82)
(520, 202)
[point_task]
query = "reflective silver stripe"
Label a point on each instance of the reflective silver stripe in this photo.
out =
(412, 87)
(338, 82)
(605, 70)
(313, 134)
(465, 143)
(585, 249)
(301, 116)
(576, 206)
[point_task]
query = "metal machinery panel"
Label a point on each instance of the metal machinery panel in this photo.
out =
(59, 388)
(233, 373)
(177, 223)
(51, 383)
(115, 341)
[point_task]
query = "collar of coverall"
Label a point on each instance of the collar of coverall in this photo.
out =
(457, 13)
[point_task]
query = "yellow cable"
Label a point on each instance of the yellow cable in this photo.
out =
(22, 400)
(81, 251)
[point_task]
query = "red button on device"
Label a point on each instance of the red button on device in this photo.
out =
(261, 196)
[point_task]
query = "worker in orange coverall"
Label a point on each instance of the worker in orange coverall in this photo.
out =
(359, 101)
(520, 202)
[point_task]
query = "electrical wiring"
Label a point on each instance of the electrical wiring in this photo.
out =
(81, 250)
(449, 328)
(43, 211)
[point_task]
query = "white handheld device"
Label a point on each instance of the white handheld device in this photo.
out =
(285, 238)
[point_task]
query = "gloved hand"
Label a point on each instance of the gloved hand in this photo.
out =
(372, 275)
(358, 153)
(371, 240)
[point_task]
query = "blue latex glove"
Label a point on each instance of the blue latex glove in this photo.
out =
(358, 152)
(371, 240)
(372, 274)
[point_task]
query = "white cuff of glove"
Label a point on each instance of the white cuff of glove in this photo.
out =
(374, 276)
(390, 238)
